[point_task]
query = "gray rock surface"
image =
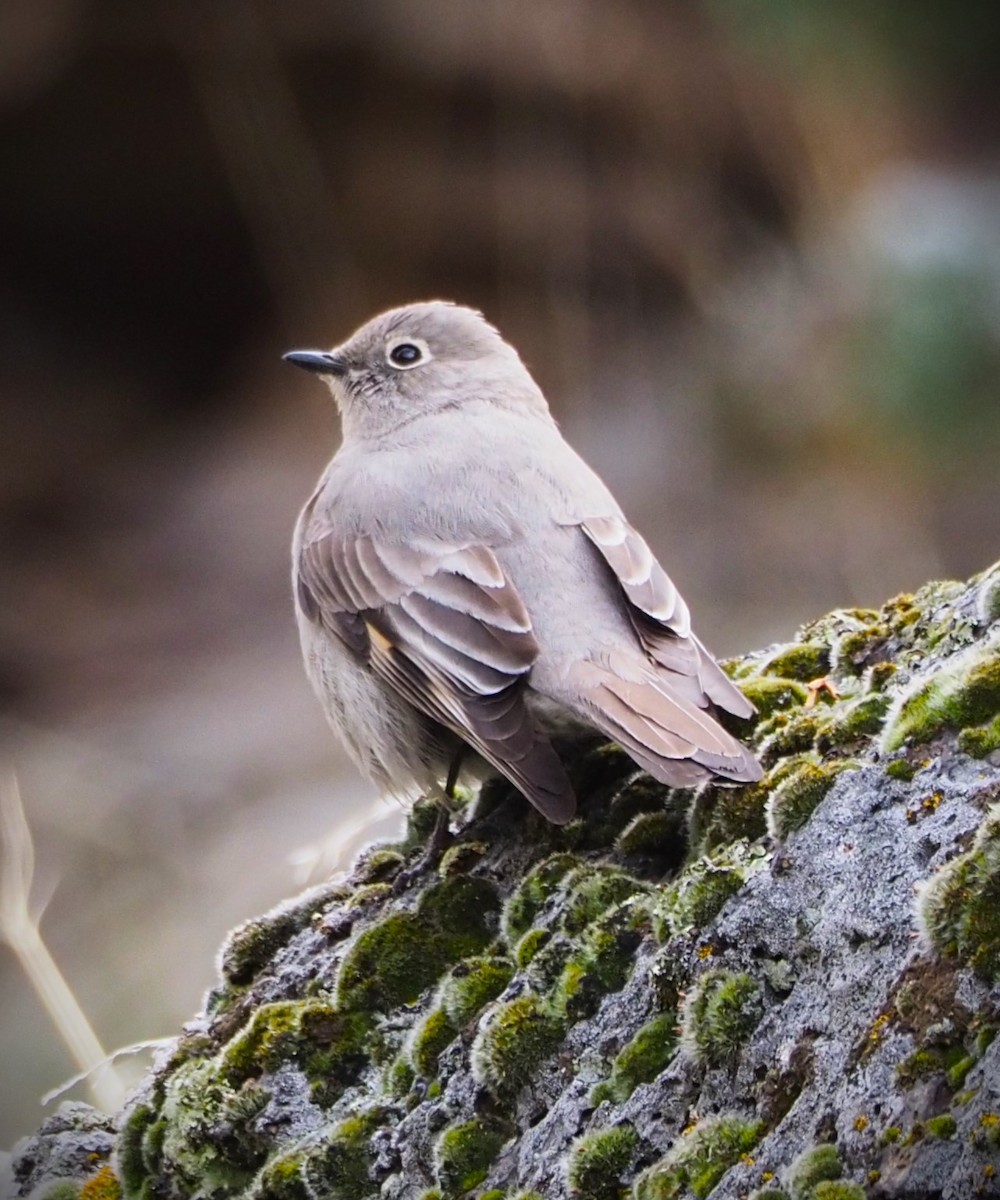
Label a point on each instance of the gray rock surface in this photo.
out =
(674, 996)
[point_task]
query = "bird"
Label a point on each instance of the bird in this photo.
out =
(467, 588)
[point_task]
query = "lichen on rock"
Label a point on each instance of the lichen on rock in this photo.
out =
(781, 990)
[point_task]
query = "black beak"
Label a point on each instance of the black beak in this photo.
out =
(316, 360)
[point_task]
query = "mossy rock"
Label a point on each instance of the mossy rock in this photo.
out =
(698, 1159)
(720, 1012)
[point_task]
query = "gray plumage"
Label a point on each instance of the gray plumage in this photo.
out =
(464, 579)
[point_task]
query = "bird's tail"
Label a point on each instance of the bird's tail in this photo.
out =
(677, 742)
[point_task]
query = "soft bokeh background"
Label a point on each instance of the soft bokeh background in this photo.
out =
(752, 252)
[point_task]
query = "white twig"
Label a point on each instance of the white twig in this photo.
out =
(19, 929)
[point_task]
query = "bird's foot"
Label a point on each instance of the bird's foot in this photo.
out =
(437, 843)
(821, 685)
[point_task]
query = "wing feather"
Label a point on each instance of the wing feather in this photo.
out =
(442, 625)
(659, 615)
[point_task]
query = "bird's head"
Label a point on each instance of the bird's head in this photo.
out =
(416, 360)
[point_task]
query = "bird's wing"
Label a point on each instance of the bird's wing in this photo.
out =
(659, 614)
(442, 625)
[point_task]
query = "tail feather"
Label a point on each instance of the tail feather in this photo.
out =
(677, 742)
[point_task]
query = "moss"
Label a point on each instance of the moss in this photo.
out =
(789, 733)
(839, 1189)
(720, 1012)
(879, 676)
(472, 984)
(421, 821)
(102, 1185)
(854, 648)
(61, 1189)
(959, 908)
(964, 691)
(942, 1126)
(851, 722)
(640, 1060)
(340, 1167)
(463, 1156)
(980, 740)
(902, 769)
(650, 832)
(957, 1072)
(603, 821)
(400, 1078)
(311, 1033)
(429, 1038)
(988, 596)
(768, 1193)
(796, 797)
(199, 1141)
(253, 945)
(890, 1136)
(597, 1161)
(591, 891)
(282, 1179)
(463, 911)
(770, 695)
(699, 1159)
(810, 1168)
(599, 961)
(547, 964)
(492, 1194)
(133, 1167)
(390, 964)
(932, 1059)
(378, 865)
(720, 815)
(508, 1050)
(535, 889)
(800, 660)
(696, 897)
(368, 895)
(461, 858)
(529, 945)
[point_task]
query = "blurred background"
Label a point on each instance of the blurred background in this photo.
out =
(751, 252)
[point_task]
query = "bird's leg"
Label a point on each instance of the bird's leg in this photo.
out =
(453, 770)
(440, 837)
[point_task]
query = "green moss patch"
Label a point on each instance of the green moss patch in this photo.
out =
(959, 908)
(797, 796)
(803, 661)
(648, 1053)
(393, 962)
(597, 1161)
(699, 1159)
(964, 692)
(463, 1156)
(720, 1012)
(535, 889)
(472, 984)
(508, 1050)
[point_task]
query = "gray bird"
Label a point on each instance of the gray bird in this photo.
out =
(466, 586)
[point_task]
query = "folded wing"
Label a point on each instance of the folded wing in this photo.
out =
(660, 715)
(441, 624)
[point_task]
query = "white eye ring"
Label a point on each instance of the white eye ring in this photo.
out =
(398, 356)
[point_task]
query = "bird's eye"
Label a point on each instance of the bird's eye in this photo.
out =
(407, 352)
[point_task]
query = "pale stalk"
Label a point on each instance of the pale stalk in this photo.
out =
(21, 932)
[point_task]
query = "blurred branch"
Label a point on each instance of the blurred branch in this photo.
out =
(20, 930)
